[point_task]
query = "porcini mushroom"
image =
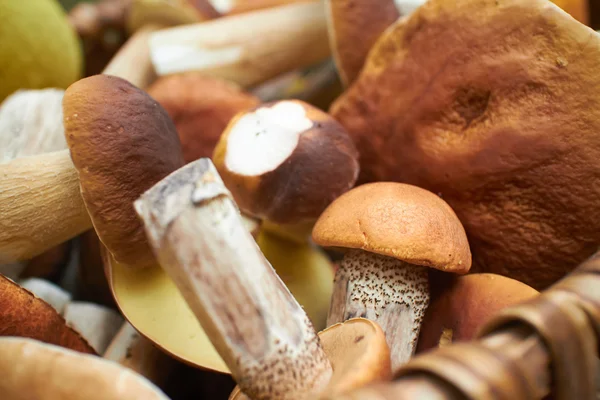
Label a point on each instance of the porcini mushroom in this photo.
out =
(473, 99)
(52, 294)
(462, 309)
(284, 162)
(35, 370)
(201, 107)
(391, 234)
(97, 324)
(23, 314)
(261, 332)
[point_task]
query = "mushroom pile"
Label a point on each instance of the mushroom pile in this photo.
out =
(289, 199)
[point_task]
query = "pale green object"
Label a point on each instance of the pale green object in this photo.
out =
(38, 47)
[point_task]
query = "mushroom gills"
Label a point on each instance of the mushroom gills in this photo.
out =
(393, 293)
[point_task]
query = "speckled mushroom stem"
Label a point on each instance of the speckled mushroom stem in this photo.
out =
(255, 324)
(391, 292)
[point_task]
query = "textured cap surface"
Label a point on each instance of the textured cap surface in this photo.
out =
(495, 105)
(122, 142)
(396, 220)
(201, 107)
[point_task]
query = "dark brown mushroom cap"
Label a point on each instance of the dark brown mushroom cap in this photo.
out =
(467, 305)
(496, 107)
(201, 107)
(122, 142)
(318, 163)
(396, 220)
(353, 27)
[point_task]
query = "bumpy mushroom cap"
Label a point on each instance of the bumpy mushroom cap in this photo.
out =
(396, 220)
(34, 370)
(353, 27)
(201, 107)
(122, 142)
(358, 354)
(23, 314)
(459, 312)
(495, 106)
(286, 161)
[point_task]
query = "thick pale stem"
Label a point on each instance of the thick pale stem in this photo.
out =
(247, 48)
(258, 328)
(391, 292)
(40, 205)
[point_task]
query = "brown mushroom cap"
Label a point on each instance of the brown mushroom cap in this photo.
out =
(201, 107)
(353, 27)
(358, 354)
(496, 107)
(467, 305)
(122, 142)
(23, 314)
(286, 161)
(578, 9)
(34, 370)
(396, 220)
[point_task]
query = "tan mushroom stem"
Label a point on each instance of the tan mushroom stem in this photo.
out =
(249, 48)
(97, 324)
(391, 292)
(252, 319)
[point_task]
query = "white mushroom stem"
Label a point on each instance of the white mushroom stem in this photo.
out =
(132, 350)
(97, 324)
(249, 48)
(252, 319)
(391, 292)
(52, 294)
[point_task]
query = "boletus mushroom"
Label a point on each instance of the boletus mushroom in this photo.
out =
(261, 332)
(285, 162)
(391, 234)
(34, 370)
(493, 106)
(466, 305)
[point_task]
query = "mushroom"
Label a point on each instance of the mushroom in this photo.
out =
(473, 100)
(231, 7)
(48, 372)
(31, 123)
(23, 314)
(285, 161)
(461, 310)
(261, 332)
(283, 38)
(201, 107)
(392, 233)
(354, 26)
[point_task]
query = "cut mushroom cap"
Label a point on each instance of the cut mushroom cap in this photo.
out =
(122, 142)
(471, 300)
(201, 107)
(392, 233)
(354, 26)
(445, 102)
(286, 161)
(358, 354)
(23, 314)
(35, 370)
